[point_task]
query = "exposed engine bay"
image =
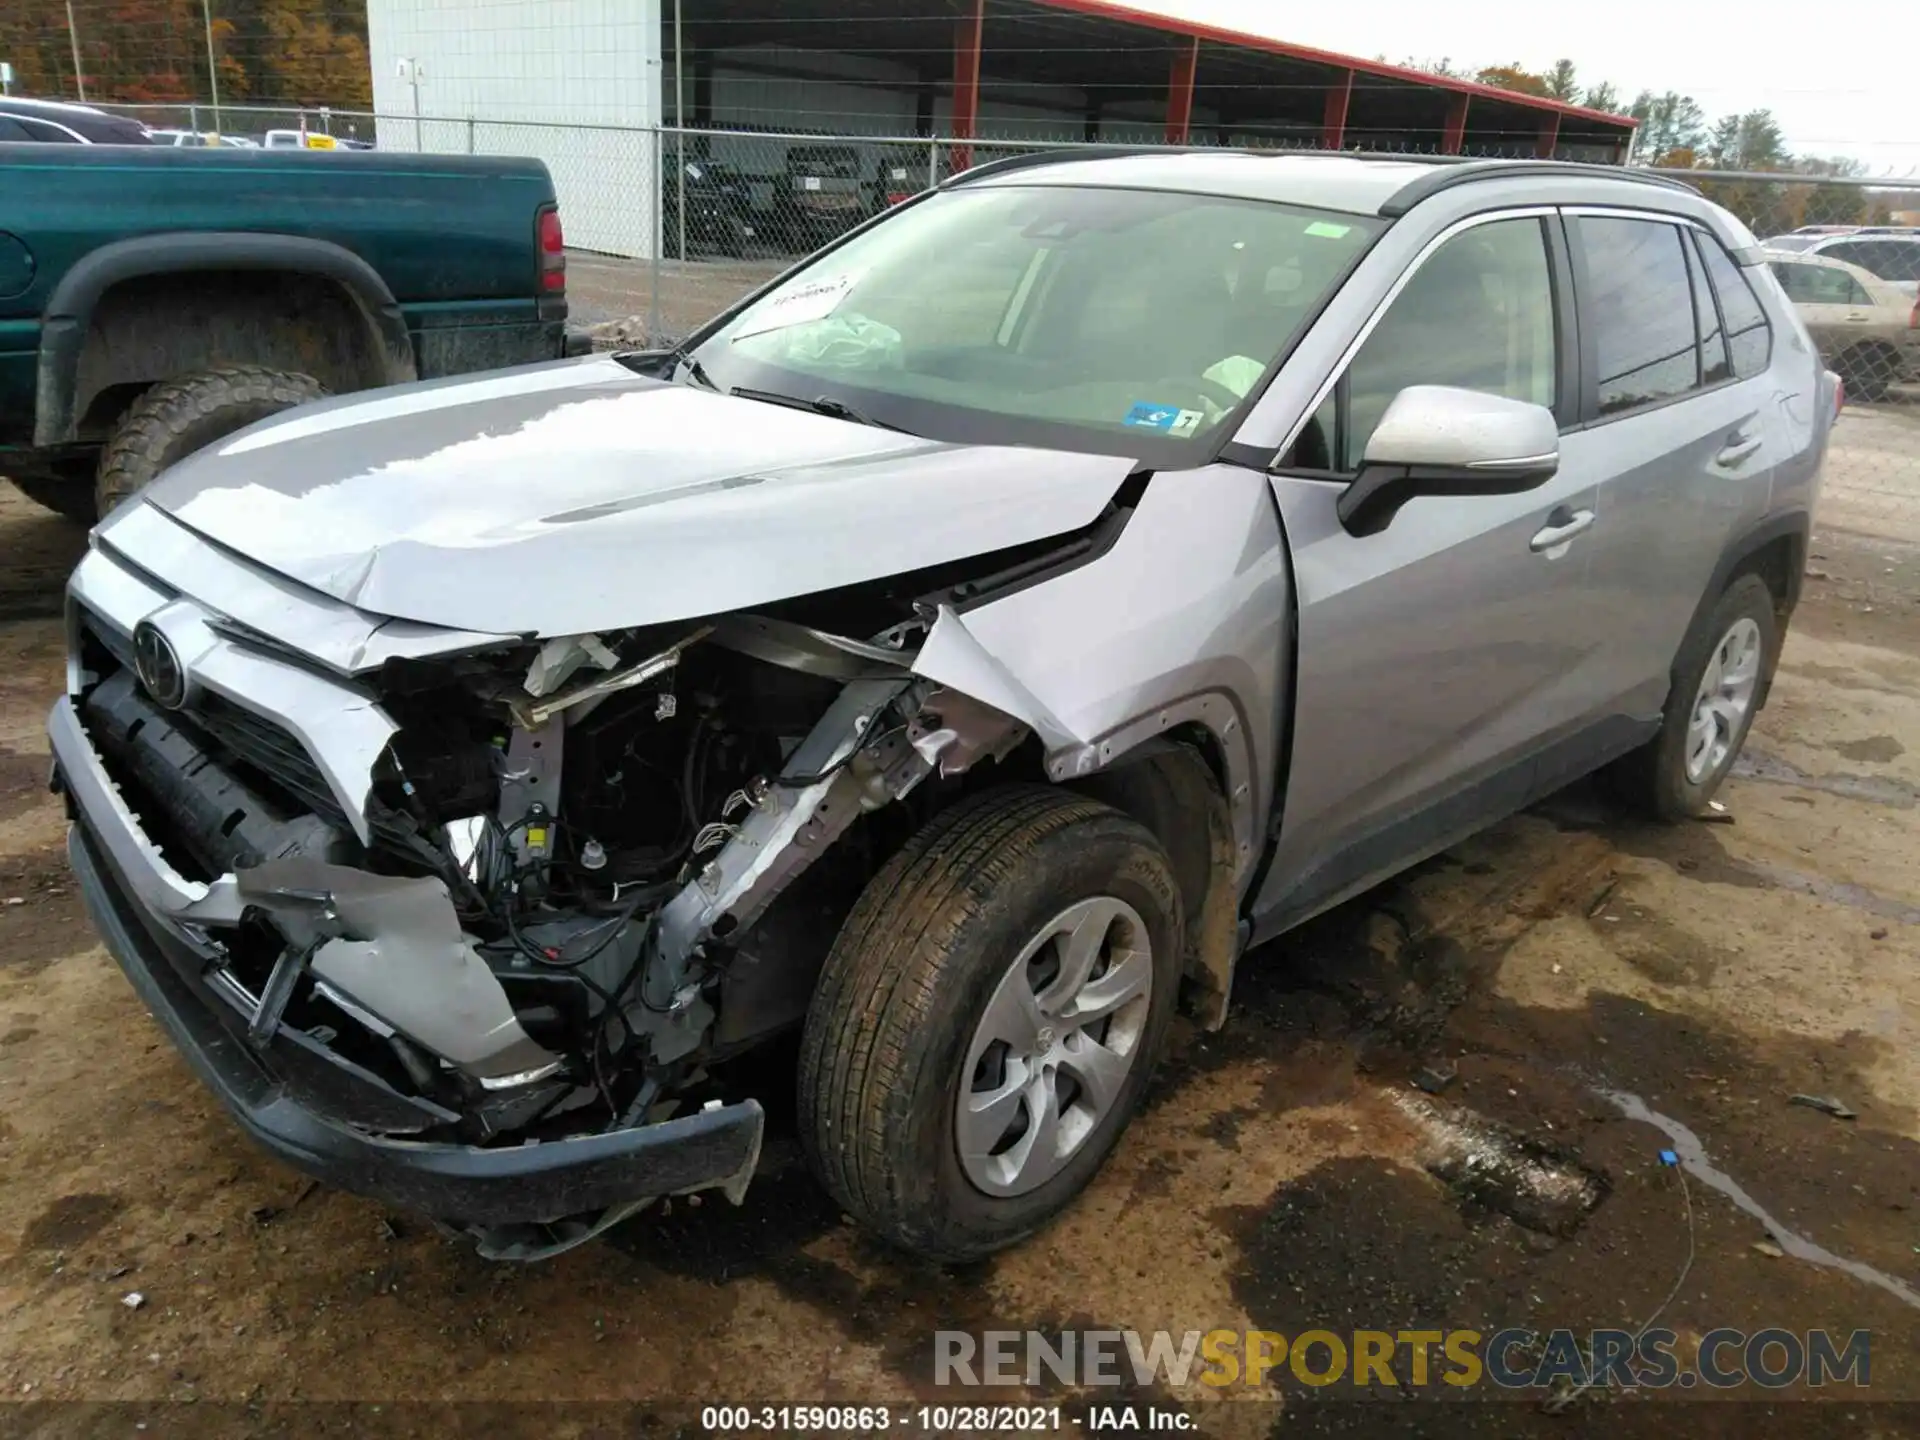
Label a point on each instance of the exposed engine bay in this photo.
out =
(593, 867)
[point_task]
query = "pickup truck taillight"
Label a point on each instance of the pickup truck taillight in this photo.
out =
(1913, 316)
(553, 252)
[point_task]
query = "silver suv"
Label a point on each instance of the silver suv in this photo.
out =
(957, 656)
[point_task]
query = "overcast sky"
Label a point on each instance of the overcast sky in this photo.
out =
(1841, 80)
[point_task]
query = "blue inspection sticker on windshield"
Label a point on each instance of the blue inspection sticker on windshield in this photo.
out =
(1167, 419)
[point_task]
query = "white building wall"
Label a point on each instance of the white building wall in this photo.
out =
(532, 77)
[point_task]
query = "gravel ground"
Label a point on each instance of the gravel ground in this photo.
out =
(1285, 1176)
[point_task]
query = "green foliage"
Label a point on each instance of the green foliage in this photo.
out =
(1602, 97)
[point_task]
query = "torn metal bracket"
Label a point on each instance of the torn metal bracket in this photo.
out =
(274, 998)
(531, 714)
(791, 827)
(951, 731)
(532, 777)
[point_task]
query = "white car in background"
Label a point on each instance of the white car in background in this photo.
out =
(179, 138)
(1885, 252)
(1868, 329)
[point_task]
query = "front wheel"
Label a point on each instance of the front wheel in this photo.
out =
(1718, 681)
(988, 1020)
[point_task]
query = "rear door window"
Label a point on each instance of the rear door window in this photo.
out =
(1889, 259)
(1815, 284)
(1639, 304)
(1749, 336)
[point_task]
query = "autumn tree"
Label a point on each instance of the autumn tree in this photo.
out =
(1514, 77)
(309, 52)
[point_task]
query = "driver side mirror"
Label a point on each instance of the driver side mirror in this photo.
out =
(1439, 440)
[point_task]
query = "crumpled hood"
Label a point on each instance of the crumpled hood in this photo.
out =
(579, 496)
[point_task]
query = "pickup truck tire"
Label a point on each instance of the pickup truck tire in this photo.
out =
(1719, 678)
(938, 948)
(184, 414)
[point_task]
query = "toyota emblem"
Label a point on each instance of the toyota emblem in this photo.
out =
(158, 665)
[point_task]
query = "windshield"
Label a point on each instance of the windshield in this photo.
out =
(1119, 321)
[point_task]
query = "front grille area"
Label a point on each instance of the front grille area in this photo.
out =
(267, 747)
(235, 734)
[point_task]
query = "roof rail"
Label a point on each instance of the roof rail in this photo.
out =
(1057, 156)
(1451, 176)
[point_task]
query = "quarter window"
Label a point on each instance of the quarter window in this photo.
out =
(1715, 365)
(1641, 307)
(1749, 337)
(1478, 315)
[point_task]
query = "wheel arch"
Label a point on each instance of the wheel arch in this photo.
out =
(1775, 550)
(64, 394)
(1175, 787)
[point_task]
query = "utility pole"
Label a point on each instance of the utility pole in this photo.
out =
(73, 39)
(213, 67)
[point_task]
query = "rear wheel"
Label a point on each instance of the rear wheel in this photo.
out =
(1718, 681)
(988, 1019)
(179, 416)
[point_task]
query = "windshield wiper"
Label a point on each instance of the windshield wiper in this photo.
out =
(681, 355)
(648, 363)
(820, 405)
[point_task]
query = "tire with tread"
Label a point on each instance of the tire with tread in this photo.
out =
(1653, 779)
(908, 978)
(178, 416)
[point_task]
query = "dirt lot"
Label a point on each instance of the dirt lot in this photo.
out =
(1284, 1177)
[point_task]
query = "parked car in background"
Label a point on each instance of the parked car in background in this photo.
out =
(203, 137)
(55, 122)
(307, 140)
(1888, 253)
(154, 300)
(719, 215)
(824, 193)
(959, 653)
(1868, 330)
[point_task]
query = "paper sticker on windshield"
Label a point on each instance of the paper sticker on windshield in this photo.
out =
(1167, 419)
(810, 300)
(1325, 230)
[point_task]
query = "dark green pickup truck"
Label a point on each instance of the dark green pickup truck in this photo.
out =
(154, 299)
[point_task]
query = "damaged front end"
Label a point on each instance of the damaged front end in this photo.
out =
(474, 924)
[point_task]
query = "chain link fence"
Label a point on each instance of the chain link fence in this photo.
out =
(669, 226)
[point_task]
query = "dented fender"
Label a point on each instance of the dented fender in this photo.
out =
(1184, 620)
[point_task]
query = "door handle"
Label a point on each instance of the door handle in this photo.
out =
(1858, 319)
(1738, 448)
(1562, 525)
